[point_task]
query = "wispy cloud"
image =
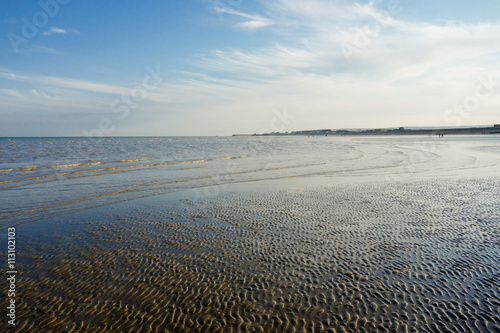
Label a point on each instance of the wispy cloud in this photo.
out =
(54, 30)
(251, 25)
(11, 92)
(256, 21)
(383, 44)
(40, 94)
(261, 64)
(41, 49)
(31, 49)
(61, 86)
(66, 83)
(58, 31)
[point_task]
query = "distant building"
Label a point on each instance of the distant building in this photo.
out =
(496, 125)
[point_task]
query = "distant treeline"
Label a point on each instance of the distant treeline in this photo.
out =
(391, 131)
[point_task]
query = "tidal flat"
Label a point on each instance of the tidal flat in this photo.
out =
(367, 234)
(400, 257)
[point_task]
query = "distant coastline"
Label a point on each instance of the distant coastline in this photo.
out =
(495, 129)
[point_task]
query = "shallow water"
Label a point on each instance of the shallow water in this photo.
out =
(48, 177)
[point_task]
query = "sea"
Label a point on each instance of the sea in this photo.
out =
(45, 177)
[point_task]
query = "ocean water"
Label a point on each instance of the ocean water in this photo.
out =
(44, 177)
(254, 234)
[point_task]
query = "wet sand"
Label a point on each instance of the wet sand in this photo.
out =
(378, 257)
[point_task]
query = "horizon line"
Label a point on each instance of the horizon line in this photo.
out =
(229, 135)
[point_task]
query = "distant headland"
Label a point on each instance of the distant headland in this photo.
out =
(495, 129)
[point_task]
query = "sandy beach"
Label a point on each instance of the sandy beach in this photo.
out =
(230, 166)
(275, 256)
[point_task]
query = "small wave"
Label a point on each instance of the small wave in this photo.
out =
(196, 167)
(117, 168)
(54, 166)
(70, 165)
(134, 160)
(28, 168)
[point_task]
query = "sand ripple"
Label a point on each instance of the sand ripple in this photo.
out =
(409, 257)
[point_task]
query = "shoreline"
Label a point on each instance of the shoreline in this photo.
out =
(377, 132)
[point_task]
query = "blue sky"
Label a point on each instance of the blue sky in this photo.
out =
(217, 67)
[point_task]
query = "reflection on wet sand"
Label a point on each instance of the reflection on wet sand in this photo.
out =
(400, 257)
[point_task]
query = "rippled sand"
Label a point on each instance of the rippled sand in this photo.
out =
(377, 257)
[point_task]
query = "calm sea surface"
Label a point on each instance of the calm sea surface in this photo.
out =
(44, 177)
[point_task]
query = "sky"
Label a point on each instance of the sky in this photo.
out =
(218, 67)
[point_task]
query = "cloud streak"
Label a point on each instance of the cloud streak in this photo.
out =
(65, 83)
(252, 25)
(255, 22)
(74, 84)
(58, 31)
(54, 30)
